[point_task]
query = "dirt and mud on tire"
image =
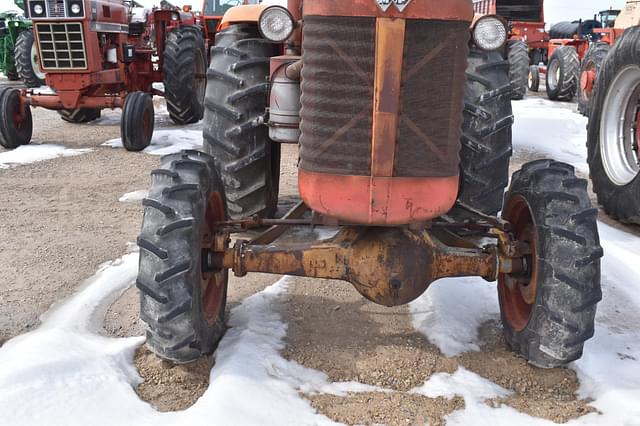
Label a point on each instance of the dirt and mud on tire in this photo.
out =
(548, 311)
(518, 68)
(486, 141)
(184, 71)
(16, 124)
(182, 306)
(26, 56)
(589, 71)
(614, 131)
(236, 101)
(563, 74)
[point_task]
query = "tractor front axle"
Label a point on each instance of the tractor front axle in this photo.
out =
(389, 266)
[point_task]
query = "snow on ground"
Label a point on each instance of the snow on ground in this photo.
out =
(27, 154)
(451, 312)
(66, 373)
(167, 141)
(554, 129)
(135, 196)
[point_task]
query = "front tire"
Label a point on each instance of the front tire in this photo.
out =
(533, 83)
(589, 71)
(548, 311)
(16, 124)
(182, 306)
(27, 64)
(184, 71)
(613, 137)
(486, 141)
(137, 121)
(518, 68)
(563, 74)
(236, 102)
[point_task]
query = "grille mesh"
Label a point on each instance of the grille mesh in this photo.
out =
(337, 95)
(435, 61)
(337, 100)
(62, 46)
(56, 9)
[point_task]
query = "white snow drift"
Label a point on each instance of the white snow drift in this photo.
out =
(28, 154)
(167, 141)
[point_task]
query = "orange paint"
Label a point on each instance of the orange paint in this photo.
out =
(370, 200)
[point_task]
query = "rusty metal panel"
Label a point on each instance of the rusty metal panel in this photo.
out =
(337, 95)
(435, 60)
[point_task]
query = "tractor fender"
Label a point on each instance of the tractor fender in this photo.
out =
(242, 14)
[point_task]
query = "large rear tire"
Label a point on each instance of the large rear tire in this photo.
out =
(614, 130)
(548, 311)
(563, 74)
(27, 63)
(182, 306)
(486, 141)
(589, 71)
(184, 70)
(16, 124)
(518, 68)
(236, 102)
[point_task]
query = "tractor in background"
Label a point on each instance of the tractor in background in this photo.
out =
(527, 36)
(402, 114)
(613, 135)
(100, 54)
(17, 54)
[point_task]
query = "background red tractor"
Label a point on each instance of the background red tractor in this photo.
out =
(527, 36)
(100, 54)
(402, 114)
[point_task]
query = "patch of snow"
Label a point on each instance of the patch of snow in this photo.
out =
(27, 154)
(553, 129)
(451, 311)
(135, 196)
(463, 383)
(167, 141)
(65, 373)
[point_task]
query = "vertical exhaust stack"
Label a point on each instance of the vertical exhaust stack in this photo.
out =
(382, 109)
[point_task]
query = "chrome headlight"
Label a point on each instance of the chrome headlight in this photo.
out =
(175, 16)
(490, 33)
(75, 8)
(37, 9)
(276, 24)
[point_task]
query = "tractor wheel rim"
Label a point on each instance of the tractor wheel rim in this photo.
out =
(35, 64)
(553, 75)
(587, 79)
(619, 127)
(212, 284)
(518, 294)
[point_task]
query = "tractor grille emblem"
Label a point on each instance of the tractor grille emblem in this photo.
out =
(386, 4)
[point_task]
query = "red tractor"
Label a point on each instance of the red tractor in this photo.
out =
(527, 36)
(402, 113)
(100, 54)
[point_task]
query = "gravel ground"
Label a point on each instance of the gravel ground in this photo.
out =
(61, 219)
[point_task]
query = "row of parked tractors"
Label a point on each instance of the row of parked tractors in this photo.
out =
(585, 59)
(401, 110)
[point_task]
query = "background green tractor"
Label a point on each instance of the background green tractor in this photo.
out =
(18, 56)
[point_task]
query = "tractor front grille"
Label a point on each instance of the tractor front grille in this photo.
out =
(56, 9)
(337, 96)
(62, 46)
